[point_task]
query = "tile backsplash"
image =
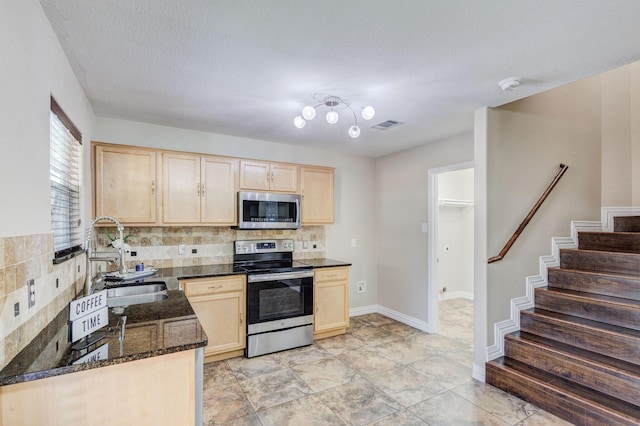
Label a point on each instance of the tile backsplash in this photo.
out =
(158, 246)
(23, 258)
(30, 257)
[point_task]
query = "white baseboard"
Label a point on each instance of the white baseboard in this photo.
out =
(455, 295)
(398, 316)
(478, 372)
(363, 310)
(532, 282)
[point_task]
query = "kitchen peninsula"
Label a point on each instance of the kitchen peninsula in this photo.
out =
(147, 367)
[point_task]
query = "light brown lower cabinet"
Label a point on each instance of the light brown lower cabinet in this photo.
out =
(331, 298)
(219, 304)
(152, 391)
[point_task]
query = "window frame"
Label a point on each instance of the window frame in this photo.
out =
(65, 184)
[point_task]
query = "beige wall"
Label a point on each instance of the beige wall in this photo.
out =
(527, 141)
(34, 67)
(354, 186)
(621, 136)
(592, 126)
(402, 194)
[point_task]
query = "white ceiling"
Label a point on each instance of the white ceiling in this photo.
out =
(247, 67)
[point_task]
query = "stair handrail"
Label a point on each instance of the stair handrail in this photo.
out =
(527, 219)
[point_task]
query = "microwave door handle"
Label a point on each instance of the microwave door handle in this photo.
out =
(298, 213)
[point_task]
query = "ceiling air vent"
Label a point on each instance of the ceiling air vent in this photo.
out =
(386, 125)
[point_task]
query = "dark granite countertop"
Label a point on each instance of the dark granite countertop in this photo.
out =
(147, 330)
(147, 333)
(324, 263)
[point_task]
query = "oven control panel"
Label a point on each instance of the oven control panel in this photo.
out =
(263, 246)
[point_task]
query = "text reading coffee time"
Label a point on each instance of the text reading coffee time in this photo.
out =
(89, 305)
(88, 314)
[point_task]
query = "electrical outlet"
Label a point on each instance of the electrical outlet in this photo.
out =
(305, 245)
(16, 309)
(182, 249)
(362, 286)
(31, 287)
(194, 251)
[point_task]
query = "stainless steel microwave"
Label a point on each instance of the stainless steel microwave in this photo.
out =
(266, 210)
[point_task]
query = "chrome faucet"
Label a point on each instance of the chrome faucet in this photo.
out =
(122, 268)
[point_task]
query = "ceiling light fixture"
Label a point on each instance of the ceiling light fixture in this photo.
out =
(334, 104)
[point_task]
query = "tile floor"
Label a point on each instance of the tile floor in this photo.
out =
(381, 372)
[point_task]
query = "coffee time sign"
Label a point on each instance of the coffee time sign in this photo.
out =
(88, 314)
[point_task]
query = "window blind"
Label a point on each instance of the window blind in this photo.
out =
(65, 169)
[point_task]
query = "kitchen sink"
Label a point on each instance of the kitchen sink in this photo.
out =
(134, 294)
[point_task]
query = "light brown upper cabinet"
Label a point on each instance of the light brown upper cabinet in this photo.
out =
(125, 183)
(317, 195)
(198, 189)
(264, 176)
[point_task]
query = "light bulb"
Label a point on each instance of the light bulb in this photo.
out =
(368, 112)
(332, 117)
(299, 122)
(354, 131)
(308, 112)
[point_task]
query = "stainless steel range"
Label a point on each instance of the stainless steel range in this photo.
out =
(279, 296)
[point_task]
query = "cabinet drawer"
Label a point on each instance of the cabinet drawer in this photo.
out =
(204, 286)
(331, 274)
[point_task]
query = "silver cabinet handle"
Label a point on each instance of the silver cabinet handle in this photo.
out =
(214, 286)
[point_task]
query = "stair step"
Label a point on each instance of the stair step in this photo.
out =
(599, 261)
(596, 307)
(626, 224)
(609, 284)
(574, 403)
(610, 340)
(612, 377)
(626, 242)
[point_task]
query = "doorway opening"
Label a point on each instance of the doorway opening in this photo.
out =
(450, 251)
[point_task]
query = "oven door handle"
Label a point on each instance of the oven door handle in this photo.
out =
(259, 278)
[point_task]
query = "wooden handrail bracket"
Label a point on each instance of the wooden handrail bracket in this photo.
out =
(525, 222)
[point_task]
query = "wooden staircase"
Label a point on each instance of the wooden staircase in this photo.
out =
(577, 354)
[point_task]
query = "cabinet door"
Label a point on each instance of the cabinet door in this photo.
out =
(218, 190)
(254, 175)
(181, 188)
(317, 195)
(219, 304)
(330, 306)
(283, 177)
(331, 299)
(222, 318)
(125, 184)
(263, 176)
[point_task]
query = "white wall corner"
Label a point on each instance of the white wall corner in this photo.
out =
(478, 372)
(500, 329)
